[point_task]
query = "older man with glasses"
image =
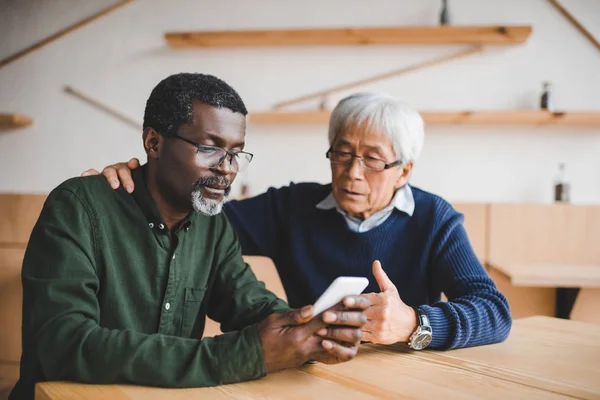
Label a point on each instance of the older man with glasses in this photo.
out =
(367, 217)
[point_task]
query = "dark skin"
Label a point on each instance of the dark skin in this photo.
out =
(172, 166)
(288, 339)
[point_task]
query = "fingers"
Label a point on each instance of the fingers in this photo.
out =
(125, 177)
(347, 318)
(339, 352)
(133, 163)
(120, 173)
(357, 302)
(382, 279)
(110, 173)
(346, 335)
(90, 172)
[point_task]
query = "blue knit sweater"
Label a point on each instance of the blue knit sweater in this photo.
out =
(424, 255)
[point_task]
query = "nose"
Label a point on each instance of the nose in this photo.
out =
(225, 165)
(355, 169)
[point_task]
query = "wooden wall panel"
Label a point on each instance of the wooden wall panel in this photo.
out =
(476, 221)
(9, 374)
(11, 303)
(585, 308)
(18, 215)
(555, 233)
(11, 298)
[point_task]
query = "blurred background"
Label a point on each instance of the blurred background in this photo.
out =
(512, 134)
(119, 57)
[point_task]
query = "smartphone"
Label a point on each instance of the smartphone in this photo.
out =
(341, 287)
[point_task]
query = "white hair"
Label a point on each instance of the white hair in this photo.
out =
(206, 206)
(402, 123)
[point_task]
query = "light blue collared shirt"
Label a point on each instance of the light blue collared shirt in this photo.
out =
(403, 201)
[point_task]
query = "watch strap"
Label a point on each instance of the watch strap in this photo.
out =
(422, 318)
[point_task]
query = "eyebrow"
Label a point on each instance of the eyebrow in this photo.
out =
(219, 140)
(377, 147)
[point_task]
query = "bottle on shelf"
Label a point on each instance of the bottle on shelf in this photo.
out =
(444, 14)
(562, 187)
(546, 98)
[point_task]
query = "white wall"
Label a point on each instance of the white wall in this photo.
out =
(119, 58)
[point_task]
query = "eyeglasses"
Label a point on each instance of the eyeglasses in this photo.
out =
(212, 157)
(372, 163)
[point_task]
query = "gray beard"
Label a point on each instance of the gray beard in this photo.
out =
(206, 206)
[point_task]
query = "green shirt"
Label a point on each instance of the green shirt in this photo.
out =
(110, 295)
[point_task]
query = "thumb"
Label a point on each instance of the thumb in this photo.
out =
(382, 279)
(298, 316)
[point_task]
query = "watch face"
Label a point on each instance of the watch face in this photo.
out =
(421, 341)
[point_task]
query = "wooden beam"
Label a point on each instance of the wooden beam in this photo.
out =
(107, 109)
(61, 33)
(14, 120)
(430, 35)
(489, 118)
(390, 74)
(575, 22)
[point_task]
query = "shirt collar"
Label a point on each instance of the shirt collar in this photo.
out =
(142, 197)
(403, 200)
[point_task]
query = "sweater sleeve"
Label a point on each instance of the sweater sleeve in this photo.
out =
(260, 221)
(476, 312)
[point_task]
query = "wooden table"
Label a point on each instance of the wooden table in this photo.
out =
(542, 277)
(544, 358)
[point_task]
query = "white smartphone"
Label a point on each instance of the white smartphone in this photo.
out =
(341, 287)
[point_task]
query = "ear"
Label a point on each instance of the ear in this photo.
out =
(404, 175)
(152, 142)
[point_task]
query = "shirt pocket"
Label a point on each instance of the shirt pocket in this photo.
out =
(191, 310)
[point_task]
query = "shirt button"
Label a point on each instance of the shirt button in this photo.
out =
(173, 256)
(167, 306)
(151, 225)
(161, 227)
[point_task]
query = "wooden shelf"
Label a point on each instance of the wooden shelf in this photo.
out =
(14, 121)
(498, 118)
(432, 35)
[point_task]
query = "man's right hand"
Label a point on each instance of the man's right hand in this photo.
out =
(118, 173)
(291, 339)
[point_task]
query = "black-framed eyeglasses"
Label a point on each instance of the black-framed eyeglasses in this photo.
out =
(371, 163)
(212, 157)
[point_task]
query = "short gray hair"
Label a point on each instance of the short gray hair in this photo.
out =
(399, 120)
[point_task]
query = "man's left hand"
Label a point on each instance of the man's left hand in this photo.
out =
(389, 319)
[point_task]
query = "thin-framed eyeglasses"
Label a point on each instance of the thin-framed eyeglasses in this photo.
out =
(370, 163)
(213, 156)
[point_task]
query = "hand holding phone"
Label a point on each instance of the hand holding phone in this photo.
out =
(341, 287)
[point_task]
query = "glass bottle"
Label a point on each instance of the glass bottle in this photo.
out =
(546, 99)
(562, 188)
(444, 16)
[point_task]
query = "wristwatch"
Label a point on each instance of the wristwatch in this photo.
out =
(421, 337)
